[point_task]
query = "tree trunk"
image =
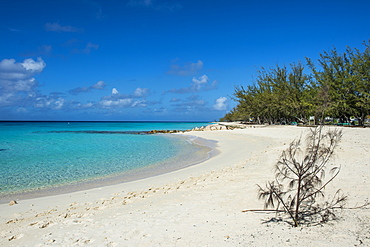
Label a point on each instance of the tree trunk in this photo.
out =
(296, 216)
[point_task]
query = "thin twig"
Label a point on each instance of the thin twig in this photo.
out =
(262, 210)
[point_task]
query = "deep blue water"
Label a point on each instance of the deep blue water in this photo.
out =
(42, 155)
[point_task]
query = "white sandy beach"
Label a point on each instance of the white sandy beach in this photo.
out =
(200, 205)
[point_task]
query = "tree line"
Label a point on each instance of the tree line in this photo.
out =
(336, 87)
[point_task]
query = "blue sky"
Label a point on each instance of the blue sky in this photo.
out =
(156, 59)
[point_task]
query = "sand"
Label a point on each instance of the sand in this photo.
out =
(200, 205)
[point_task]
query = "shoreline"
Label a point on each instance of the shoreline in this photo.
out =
(191, 135)
(131, 175)
(198, 205)
(207, 150)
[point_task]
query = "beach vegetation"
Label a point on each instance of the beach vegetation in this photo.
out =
(301, 175)
(336, 86)
(346, 81)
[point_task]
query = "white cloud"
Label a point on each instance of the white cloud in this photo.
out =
(116, 103)
(17, 82)
(19, 88)
(59, 103)
(198, 84)
(140, 103)
(56, 27)
(49, 101)
(10, 70)
(191, 104)
(75, 105)
(185, 70)
(8, 65)
(34, 66)
(141, 92)
(100, 85)
(7, 98)
(220, 104)
(117, 100)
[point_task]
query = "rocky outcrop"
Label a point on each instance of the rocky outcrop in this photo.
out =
(211, 127)
(11, 203)
(164, 131)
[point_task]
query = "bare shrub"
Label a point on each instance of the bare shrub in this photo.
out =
(300, 179)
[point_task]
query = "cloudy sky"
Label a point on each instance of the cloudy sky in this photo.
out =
(156, 59)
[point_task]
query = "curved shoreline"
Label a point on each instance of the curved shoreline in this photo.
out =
(224, 158)
(199, 205)
(206, 151)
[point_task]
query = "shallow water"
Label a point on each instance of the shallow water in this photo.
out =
(35, 156)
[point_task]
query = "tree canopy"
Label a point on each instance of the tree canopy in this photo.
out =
(337, 87)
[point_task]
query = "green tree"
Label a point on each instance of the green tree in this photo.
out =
(360, 68)
(339, 87)
(344, 82)
(278, 95)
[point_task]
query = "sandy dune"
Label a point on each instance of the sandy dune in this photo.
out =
(200, 205)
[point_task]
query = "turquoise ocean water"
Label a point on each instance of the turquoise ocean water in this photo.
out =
(39, 157)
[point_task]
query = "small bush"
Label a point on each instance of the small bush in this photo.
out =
(300, 179)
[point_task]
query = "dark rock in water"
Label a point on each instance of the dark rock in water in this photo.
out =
(101, 132)
(2, 149)
(117, 132)
(162, 131)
